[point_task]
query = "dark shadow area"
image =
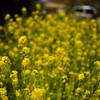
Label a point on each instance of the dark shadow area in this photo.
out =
(13, 7)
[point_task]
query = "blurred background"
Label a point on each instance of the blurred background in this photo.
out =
(68, 6)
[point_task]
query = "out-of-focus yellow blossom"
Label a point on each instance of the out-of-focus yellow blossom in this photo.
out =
(17, 34)
(11, 20)
(48, 98)
(24, 10)
(26, 50)
(97, 98)
(81, 76)
(34, 72)
(5, 60)
(37, 93)
(38, 6)
(94, 80)
(98, 92)
(87, 92)
(18, 93)
(44, 11)
(10, 41)
(10, 29)
(38, 63)
(14, 77)
(49, 16)
(22, 42)
(71, 73)
(27, 72)
(26, 62)
(26, 90)
(99, 77)
(15, 81)
(36, 17)
(11, 53)
(65, 77)
(1, 84)
(84, 97)
(1, 28)
(97, 64)
(16, 15)
(3, 93)
(18, 19)
(1, 45)
(15, 49)
(14, 74)
(6, 47)
(78, 90)
(61, 13)
(7, 16)
(2, 77)
(4, 98)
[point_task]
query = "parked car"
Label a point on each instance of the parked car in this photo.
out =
(85, 11)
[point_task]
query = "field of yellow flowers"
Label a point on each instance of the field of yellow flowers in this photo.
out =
(51, 58)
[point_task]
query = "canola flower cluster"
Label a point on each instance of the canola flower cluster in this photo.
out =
(49, 57)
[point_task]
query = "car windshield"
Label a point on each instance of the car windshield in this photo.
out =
(79, 10)
(89, 11)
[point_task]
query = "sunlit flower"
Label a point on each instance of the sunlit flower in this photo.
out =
(81, 76)
(26, 62)
(22, 42)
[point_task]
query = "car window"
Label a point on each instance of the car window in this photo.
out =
(90, 11)
(79, 10)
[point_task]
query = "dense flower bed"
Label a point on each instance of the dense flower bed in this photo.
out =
(51, 58)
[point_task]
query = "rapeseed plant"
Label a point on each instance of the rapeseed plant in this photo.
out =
(54, 57)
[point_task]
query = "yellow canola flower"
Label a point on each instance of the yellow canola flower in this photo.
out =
(24, 10)
(11, 53)
(7, 16)
(81, 76)
(87, 92)
(27, 72)
(1, 84)
(19, 19)
(26, 91)
(97, 64)
(26, 50)
(38, 6)
(14, 74)
(98, 92)
(18, 93)
(4, 98)
(37, 93)
(16, 15)
(65, 77)
(99, 77)
(22, 42)
(1, 27)
(10, 29)
(15, 81)
(15, 49)
(78, 90)
(26, 62)
(3, 92)
(5, 61)
(34, 72)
